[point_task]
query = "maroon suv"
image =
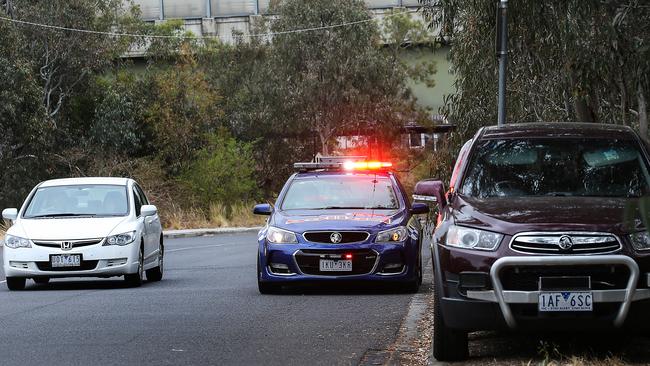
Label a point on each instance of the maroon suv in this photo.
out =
(539, 231)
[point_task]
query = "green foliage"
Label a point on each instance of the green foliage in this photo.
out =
(568, 60)
(223, 171)
(339, 79)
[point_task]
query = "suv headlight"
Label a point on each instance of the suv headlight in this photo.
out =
(279, 236)
(394, 235)
(466, 238)
(120, 239)
(17, 242)
(640, 240)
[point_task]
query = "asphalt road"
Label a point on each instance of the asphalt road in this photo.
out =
(205, 311)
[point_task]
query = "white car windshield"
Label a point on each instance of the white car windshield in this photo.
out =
(78, 200)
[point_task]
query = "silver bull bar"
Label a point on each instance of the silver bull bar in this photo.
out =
(505, 298)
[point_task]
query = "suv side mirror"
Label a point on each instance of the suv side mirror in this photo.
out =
(419, 208)
(10, 214)
(148, 210)
(430, 191)
(263, 209)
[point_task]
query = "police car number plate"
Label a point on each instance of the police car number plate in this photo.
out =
(565, 301)
(65, 260)
(335, 265)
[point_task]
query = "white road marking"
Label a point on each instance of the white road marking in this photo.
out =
(195, 247)
(3, 281)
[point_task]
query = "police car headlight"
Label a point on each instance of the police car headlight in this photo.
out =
(120, 239)
(641, 240)
(17, 242)
(394, 235)
(466, 238)
(279, 236)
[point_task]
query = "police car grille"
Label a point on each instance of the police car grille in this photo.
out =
(308, 260)
(580, 243)
(346, 236)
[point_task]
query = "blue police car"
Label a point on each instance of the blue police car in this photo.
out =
(341, 219)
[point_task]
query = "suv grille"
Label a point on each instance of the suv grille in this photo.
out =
(345, 236)
(526, 278)
(363, 261)
(565, 244)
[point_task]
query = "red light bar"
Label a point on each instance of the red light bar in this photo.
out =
(366, 165)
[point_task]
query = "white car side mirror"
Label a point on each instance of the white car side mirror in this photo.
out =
(10, 214)
(148, 210)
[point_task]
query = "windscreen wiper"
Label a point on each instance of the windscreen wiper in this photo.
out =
(66, 214)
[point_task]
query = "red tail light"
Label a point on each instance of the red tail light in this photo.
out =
(348, 256)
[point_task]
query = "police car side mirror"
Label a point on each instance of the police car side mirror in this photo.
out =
(262, 209)
(419, 208)
(430, 191)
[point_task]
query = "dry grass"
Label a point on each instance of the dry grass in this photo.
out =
(239, 214)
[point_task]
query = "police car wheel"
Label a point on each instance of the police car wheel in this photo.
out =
(266, 288)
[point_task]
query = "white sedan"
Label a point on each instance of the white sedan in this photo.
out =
(83, 227)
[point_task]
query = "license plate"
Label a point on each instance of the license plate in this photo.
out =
(65, 260)
(335, 266)
(565, 301)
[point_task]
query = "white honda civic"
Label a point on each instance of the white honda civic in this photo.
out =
(83, 227)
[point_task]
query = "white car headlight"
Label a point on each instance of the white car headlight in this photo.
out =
(641, 240)
(17, 242)
(466, 238)
(279, 236)
(120, 239)
(394, 235)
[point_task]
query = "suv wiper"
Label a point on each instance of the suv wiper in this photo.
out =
(67, 214)
(379, 208)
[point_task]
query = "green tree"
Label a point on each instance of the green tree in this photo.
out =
(338, 79)
(568, 60)
(223, 171)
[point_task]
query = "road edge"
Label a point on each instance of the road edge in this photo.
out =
(190, 233)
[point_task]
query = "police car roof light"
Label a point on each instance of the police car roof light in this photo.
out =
(347, 163)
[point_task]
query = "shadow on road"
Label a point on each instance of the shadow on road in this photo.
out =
(79, 285)
(353, 288)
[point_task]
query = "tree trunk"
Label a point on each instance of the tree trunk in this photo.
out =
(643, 111)
(581, 101)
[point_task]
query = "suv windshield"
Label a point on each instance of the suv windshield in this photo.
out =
(340, 192)
(78, 200)
(559, 167)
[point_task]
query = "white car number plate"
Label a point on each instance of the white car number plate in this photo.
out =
(335, 265)
(65, 260)
(565, 301)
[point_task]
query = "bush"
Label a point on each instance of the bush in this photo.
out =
(223, 172)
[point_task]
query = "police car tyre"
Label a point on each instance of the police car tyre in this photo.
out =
(156, 274)
(135, 279)
(414, 285)
(448, 344)
(16, 283)
(41, 280)
(265, 288)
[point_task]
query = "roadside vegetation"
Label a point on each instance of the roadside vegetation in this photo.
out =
(208, 128)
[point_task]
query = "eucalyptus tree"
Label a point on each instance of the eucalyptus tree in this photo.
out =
(569, 60)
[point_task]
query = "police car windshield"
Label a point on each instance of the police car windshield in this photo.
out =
(341, 192)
